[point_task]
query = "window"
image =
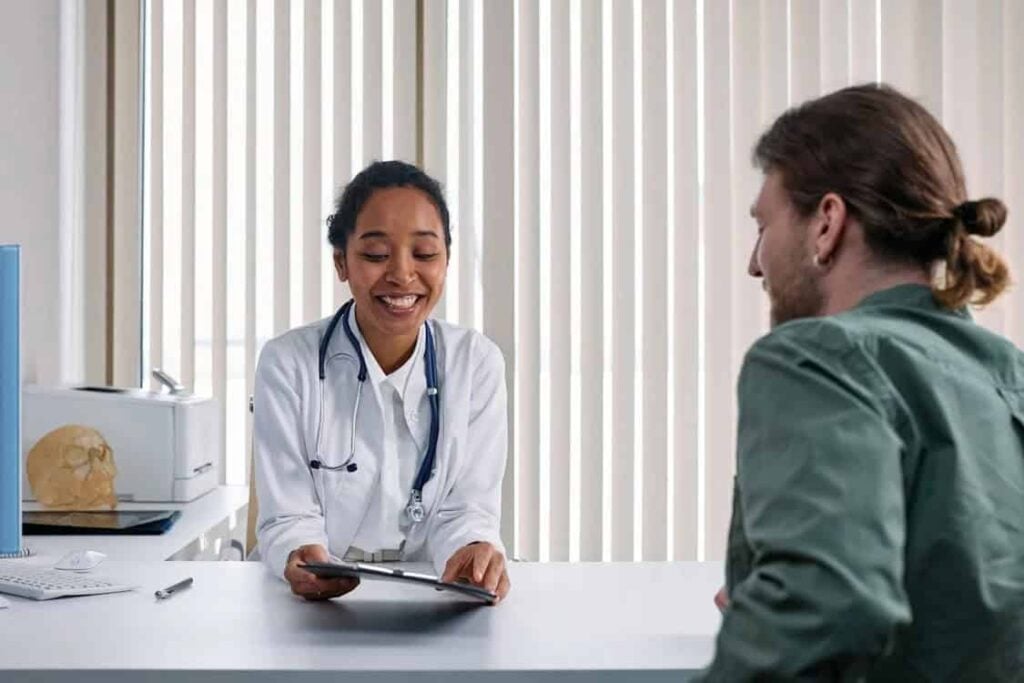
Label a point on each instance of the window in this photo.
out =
(596, 159)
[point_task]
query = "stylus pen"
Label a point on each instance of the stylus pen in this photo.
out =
(171, 590)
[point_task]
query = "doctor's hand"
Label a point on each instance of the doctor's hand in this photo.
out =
(480, 564)
(306, 584)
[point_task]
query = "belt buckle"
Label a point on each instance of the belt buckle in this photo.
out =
(383, 555)
(387, 555)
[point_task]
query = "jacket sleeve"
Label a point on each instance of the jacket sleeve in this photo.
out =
(290, 514)
(821, 489)
(472, 509)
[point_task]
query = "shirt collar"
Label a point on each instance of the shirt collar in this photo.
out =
(400, 377)
(906, 296)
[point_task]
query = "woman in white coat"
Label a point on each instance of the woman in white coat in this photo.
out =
(348, 416)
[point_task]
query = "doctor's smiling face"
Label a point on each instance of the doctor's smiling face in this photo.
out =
(394, 261)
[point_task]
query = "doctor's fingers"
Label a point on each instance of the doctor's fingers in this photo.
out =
(459, 566)
(482, 557)
(504, 585)
(296, 576)
(495, 569)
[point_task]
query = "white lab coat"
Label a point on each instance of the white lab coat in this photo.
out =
(463, 498)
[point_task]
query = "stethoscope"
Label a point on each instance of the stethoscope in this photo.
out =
(414, 508)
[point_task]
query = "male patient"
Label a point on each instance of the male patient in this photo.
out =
(878, 514)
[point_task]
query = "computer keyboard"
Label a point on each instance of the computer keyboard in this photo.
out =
(42, 583)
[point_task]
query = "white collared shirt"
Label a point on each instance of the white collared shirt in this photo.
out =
(403, 436)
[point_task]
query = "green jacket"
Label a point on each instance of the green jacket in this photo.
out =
(878, 514)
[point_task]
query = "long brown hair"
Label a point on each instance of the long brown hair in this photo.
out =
(900, 175)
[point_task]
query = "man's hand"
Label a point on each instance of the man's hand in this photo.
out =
(306, 584)
(481, 565)
(721, 599)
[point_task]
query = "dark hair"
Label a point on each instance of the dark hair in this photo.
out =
(379, 175)
(900, 175)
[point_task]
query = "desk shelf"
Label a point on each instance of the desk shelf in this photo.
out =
(211, 527)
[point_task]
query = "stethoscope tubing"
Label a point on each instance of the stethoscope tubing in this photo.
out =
(426, 471)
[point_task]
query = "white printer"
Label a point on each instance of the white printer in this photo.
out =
(165, 447)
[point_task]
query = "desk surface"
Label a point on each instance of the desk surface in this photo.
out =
(196, 518)
(621, 622)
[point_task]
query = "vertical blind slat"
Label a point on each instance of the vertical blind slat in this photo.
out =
(312, 182)
(684, 226)
(623, 275)
(433, 100)
(774, 63)
(750, 316)
(527, 211)
(985, 176)
(912, 49)
(557, 259)
(805, 49)
(971, 40)
(834, 40)
(498, 205)
(404, 123)
(653, 236)
(719, 286)
(342, 112)
(188, 194)
(1013, 161)
(281, 167)
(156, 190)
(125, 266)
(453, 151)
(373, 94)
(218, 254)
(574, 322)
(589, 287)
(250, 216)
(863, 42)
(466, 264)
(203, 197)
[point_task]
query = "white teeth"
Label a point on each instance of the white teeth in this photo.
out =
(400, 301)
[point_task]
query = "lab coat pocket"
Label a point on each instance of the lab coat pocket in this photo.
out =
(344, 495)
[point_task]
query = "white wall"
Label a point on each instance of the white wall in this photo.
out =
(29, 172)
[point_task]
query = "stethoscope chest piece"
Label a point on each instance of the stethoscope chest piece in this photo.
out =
(415, 509)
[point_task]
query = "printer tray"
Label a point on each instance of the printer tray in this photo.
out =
(124, 522)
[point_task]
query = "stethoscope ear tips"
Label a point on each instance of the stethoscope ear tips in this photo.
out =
(352, 467)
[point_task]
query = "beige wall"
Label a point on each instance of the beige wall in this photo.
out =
(29, 172)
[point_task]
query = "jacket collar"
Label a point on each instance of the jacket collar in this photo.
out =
(907, 296)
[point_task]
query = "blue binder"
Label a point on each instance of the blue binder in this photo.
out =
(10, 403)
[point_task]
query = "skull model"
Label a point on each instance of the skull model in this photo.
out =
(72, 468)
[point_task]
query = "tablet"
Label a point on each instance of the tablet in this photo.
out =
(373, 571)
(128, 522)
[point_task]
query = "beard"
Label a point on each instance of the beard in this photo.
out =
(795, 293)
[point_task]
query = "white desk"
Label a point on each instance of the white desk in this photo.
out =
(208, 521)
(584, 622)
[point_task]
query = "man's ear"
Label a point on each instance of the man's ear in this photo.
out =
(339, 265)
(830, 226)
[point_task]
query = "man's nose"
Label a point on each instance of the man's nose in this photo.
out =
(754, 268)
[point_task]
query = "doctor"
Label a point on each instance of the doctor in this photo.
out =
(380, 434)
